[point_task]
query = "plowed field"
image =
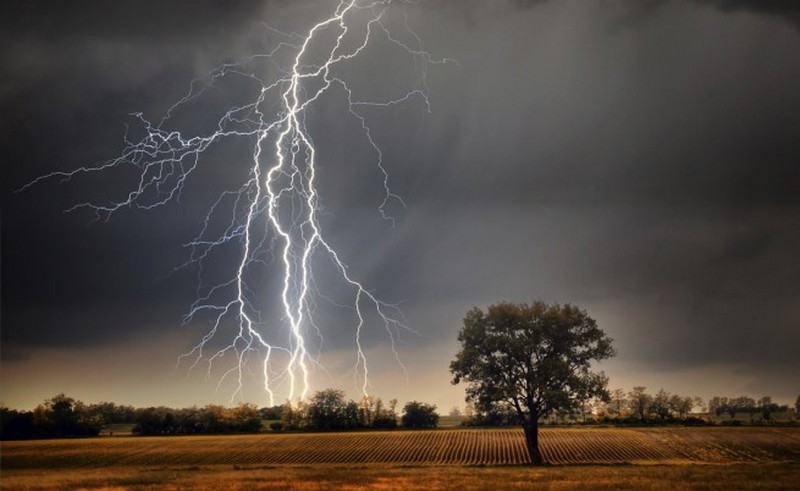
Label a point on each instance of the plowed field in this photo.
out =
(437, 447)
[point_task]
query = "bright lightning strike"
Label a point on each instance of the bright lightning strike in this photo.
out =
(274, 216)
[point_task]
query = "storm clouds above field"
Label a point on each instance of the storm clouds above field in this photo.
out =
(639, 159)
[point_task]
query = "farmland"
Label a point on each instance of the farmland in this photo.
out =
(380, 454)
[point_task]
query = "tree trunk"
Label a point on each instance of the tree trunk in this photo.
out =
(531, 429)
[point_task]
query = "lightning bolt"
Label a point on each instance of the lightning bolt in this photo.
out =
(274, 217)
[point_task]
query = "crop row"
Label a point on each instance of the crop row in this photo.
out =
(438, 447)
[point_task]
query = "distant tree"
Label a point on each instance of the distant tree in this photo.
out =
(294, 416)
(744, 404)
(89, 421)
(271, 413)
(469, 412)
(797, 406)
(640, 401)
(681, 406)
(537, 358)
(731, 405)
(245, 418)
(500, 414)
(111, 413)
(212, 419)
(767, 407)
(188, 421)
(587, 408)
(17, 425)
(379, 406)
(455, 412)
(62, 416)
(661, 405)
(698, 402)
(601, 410)
(717, 405)
(366, 409)
(150, 421)
(352, 418)
(59, 410)
(419, 415)
(328, 410)
(616, 403)
(385, 418)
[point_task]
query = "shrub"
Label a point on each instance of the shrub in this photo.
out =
(385, 421)
(419, 415)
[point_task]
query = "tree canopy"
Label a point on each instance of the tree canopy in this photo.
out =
(536, 358)
(419, 415)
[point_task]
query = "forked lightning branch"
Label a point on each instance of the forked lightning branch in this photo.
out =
(274, 216)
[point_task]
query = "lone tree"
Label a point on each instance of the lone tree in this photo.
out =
(535, 358)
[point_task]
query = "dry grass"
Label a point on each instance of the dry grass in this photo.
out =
(667, 458)
(221, 478)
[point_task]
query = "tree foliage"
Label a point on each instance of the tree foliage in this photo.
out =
(618, 403)
(60, 416)
(640, 402)
(328, 410)
(209, 419)
(733, 406)
(385, 417)
(536, 358)
(419, 415)
(501, 414)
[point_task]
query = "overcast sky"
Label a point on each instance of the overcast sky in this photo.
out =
(637, 158)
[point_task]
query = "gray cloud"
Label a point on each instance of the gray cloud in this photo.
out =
(787, 9)
(648, 172)
(146, 21)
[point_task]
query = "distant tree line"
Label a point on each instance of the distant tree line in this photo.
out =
(63, 417)
(329, 410)
(762, 409)
(637, 406)
(210, 419)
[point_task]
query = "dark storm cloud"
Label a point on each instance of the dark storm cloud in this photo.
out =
(150, 21)
(647, 172)
(71, 72)
(655, 163)
(16, 355)
(637, 9)
(527, 3)
(787, 9)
